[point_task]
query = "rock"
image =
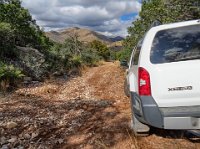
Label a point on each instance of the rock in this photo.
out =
(20, 147)
(27, 79)
(103, 104)
(21, 135)
(60, 141)
(27, 136)
(4, 147)
(2, 131)
(12, 140)
(11, 125)
(3, 140)
(85, 107)
(31, 61)
(34, 135)
(31, 128)
(71, 111)
(81, 146)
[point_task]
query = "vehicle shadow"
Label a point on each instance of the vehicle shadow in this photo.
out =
(75, 123)
(192, 136)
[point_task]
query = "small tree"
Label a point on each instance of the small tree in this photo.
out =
(73, 45)
(166, 11)
(102, 50)
(26, 31)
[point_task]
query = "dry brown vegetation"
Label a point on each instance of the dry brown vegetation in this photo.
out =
(88, 111)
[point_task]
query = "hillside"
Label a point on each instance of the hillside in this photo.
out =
(85, 35)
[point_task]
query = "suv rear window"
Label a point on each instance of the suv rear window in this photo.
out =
(178, 44)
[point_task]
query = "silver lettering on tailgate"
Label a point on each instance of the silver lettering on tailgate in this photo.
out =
(180, 88)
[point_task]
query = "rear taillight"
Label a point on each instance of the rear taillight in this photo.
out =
(144, 85)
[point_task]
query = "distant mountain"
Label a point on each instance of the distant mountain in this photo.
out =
(116, 39)
(84, 35)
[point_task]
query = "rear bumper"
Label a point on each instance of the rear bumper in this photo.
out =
(147, 111)
(181, 123)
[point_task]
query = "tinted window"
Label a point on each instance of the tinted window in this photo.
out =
(176, 44)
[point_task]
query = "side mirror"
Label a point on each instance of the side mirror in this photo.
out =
(124, 63)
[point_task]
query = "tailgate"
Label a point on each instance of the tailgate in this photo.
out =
(176, 84)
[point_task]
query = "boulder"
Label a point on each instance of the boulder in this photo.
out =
(31, 61)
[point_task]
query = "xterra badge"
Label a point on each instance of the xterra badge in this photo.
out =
(180, 88)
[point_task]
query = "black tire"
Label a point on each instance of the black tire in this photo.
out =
(126, 88)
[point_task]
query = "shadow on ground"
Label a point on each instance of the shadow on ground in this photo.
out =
(193, 136)
(75, 123)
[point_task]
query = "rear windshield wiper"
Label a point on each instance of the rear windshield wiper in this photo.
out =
(188, 58)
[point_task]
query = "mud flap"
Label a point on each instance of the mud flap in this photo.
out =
(139, 128)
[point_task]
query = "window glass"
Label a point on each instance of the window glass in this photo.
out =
(136, 56)
(178, 44)
(137, 53)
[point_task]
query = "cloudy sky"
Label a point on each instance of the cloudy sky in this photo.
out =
(111, 17)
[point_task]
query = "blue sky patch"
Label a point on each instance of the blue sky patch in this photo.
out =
(128, 17)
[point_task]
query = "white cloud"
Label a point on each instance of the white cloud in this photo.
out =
(99, 15)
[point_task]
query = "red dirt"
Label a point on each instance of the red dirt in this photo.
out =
(89, 111)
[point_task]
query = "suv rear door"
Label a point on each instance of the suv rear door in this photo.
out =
(175, 69)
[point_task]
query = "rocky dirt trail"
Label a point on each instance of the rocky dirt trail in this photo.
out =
(89, 111)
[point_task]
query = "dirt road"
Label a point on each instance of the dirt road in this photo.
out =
(89, 111)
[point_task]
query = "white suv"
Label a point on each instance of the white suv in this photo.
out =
(163, 78)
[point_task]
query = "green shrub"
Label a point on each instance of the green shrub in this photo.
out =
(76, 62)
(123, 55)
(102, 49)
(90, 57)
(113, 55)
(9, 75)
